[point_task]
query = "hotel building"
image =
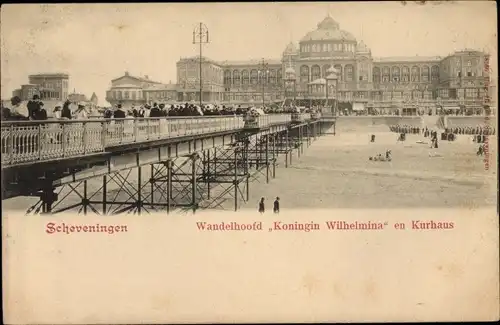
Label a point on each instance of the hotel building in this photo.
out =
(384, 83)
(457, 80)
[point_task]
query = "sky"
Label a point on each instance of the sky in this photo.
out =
(95, 43)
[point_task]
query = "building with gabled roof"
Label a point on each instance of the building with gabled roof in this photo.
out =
(130, 90)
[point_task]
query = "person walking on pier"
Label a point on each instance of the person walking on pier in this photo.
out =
(276, 207)
(262, 208)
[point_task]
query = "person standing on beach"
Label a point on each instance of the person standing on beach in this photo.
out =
(276, 207)
(261, 206)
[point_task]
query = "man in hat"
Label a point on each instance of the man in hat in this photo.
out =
(66, 111)
(81, 113)
(33, 107)
(119, 113)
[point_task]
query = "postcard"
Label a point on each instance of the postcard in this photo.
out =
(249, 162)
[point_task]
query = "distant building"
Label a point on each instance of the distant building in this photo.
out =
(93, 99)
(17, 93)
(53, 86)
(384, 84)
(76, 97)
(131, 90)
(28, 91)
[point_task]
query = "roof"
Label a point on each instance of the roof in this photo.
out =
(50, 75)
(251, 62)
(137, 78)
(328, 30)
(291, 48)
(161, 87)
(197, 59)
(408, 59)
(320, 81)
(362, 48)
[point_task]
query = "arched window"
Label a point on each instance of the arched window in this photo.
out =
(406, 74)
(245, 77)
(323, 70)
(415, 74)
(425, 74)
(396, 75)
(236, 77)
(254, 76)
(376, 75)
(435, 73)
(279, 76)
(315, 72)
(340, 72)
(272, 77)
(386, 74)
(304, 73)
(349, 73)
(363, 72)
(227, 77)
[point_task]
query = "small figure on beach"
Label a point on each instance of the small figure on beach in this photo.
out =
(262, 208)
(276, 207)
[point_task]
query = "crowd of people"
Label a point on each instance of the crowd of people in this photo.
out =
(406, 129)
(35, 110)
(187, 109)
(478, 130)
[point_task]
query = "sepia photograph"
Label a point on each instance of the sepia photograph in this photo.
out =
(169, 144)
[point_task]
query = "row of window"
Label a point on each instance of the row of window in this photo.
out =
(307, 74)
(55, 95)
(254, 97)
(253, 77)
(404, 74)
(337, 47)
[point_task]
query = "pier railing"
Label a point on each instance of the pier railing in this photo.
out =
(301, 117)
(30, 141)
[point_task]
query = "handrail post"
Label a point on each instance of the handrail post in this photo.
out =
(135, 130)
(104, 133)
(11, 144)
(148, 131)
(85, 139)
(64, 137)
(39, 144)
(121, 128)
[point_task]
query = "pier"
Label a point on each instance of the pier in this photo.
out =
(186, 159)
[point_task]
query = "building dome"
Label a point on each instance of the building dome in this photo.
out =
(290, 70)
(328, 30)
(362, 48)
(290, 49)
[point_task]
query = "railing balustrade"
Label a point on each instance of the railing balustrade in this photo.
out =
(30, 141)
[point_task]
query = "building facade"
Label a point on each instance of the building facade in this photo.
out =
(458, 79)
(53, 86)
(129, 91)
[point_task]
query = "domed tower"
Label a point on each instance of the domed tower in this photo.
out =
(290, 53)
(362, 49)
(328, 37)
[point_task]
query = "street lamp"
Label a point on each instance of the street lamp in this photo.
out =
(200, 36)
(332, 76)
(263, 76)
(290, 78)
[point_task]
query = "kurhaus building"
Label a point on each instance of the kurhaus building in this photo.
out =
(455, 80)
(363, 81)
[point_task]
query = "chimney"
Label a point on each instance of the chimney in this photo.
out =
(126, 73)
(146, 77)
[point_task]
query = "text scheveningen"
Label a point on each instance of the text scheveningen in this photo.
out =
(63, 228)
